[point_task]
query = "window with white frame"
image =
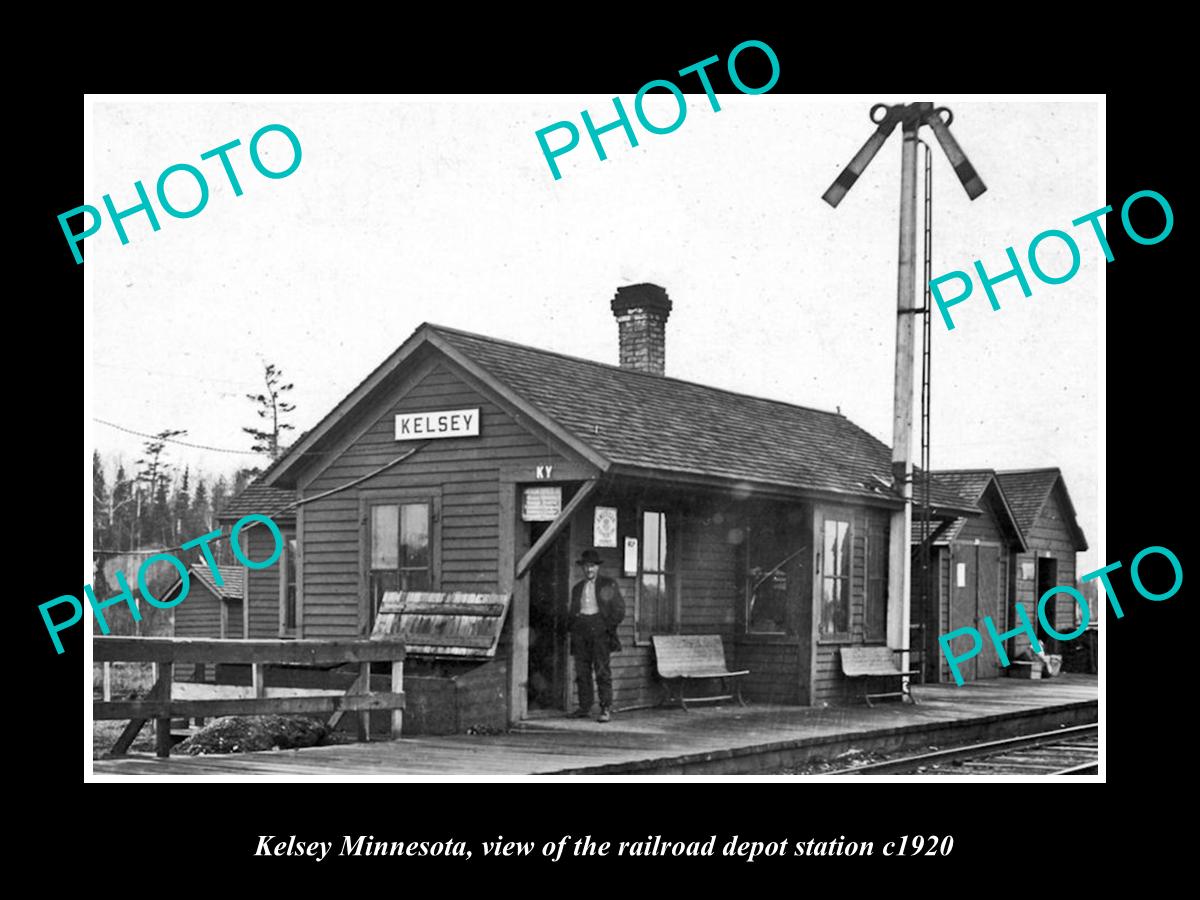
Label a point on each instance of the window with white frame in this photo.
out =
(656, 578)
(401, 549)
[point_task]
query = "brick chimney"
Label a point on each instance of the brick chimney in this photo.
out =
(641, 311)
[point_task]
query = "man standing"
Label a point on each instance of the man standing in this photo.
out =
(597, 608)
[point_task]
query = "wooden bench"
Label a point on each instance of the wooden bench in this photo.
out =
(876, 662)
(683, 657)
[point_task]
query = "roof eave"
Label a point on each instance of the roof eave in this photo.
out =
(753, 488)
(535, 414)
(279, 518)
(425, 335)
(1022, 544)
(291, 460)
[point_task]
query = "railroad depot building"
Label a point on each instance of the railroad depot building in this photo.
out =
(469, 464)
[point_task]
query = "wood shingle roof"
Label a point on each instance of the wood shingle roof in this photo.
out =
(641, 423)
(654, 422)
(1029, 489)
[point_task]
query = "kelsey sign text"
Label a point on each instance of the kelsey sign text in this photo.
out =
(445, 423)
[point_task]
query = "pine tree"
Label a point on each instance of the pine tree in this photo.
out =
(120, 512)
(271, 407)
(150, 509)
(200, 514)
(220, 499)
(162, 523)
(180, 507)
(101, 505)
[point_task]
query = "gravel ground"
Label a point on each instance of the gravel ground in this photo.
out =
(242, 734)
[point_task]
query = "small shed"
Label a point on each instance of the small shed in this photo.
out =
(1046, 515)
(270, 610)
(208, 610)
(971, 564)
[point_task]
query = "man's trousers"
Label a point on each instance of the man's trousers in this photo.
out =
(589, 645)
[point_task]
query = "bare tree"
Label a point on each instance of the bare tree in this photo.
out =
(153, 473)
(271, 407)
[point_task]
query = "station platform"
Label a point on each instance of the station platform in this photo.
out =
(712, 740)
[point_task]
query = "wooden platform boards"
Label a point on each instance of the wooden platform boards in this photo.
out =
(716, 740)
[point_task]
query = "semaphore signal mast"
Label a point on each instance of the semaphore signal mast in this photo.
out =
(910, 117)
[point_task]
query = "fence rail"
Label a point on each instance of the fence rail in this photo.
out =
(161, 705)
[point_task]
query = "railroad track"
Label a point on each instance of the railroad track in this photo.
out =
(1064, 751)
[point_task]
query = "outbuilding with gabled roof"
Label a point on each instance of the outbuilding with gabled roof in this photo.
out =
(1044, 510)
(970, 573)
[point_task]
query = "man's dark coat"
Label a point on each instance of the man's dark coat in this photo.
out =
(610, 602)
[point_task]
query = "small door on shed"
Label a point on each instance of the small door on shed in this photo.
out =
(988, 571)
(963, 606)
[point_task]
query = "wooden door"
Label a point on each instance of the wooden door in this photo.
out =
(964, 605)
(987, 568)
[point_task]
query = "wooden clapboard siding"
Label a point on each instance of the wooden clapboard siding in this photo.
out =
(829, 685)
(461, 473)
(710, 586)
(774, 665)
(234, 624)
(262, 585)
(944, 606)
(983, 528)
(1049, 537)
(1051, 532)
(481, 695)
(199, 615)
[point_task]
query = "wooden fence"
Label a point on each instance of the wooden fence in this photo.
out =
(168, 699)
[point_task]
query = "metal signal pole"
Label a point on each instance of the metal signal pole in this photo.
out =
(910, 116)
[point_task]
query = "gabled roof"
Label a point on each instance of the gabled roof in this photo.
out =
(1029, 489)
(231, 577)
(973, 486)
(257, 497)
(639, 423)
(232, 587)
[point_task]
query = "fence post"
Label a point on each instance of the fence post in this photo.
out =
(397, 688)
(364, 715)
(162, 677)
(107, 694)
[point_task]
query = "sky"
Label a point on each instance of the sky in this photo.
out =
(443, 209)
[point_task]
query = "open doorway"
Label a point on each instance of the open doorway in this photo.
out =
(1047, 577)
(549, 595)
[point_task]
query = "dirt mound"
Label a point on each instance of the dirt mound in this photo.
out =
(242, 734)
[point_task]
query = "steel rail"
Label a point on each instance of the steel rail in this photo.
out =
(988, 748)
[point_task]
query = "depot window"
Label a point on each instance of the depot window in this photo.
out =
(833, 583)
(401, 549)
(656, 594)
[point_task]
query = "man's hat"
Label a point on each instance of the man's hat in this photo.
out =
(589, 557)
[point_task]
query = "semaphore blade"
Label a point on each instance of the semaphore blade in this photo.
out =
(862, 158)
(962, 166)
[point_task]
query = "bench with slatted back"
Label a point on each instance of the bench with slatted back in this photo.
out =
(686, 657)
(866, 663)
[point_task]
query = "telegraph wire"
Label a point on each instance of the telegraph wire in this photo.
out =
(173, 440)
